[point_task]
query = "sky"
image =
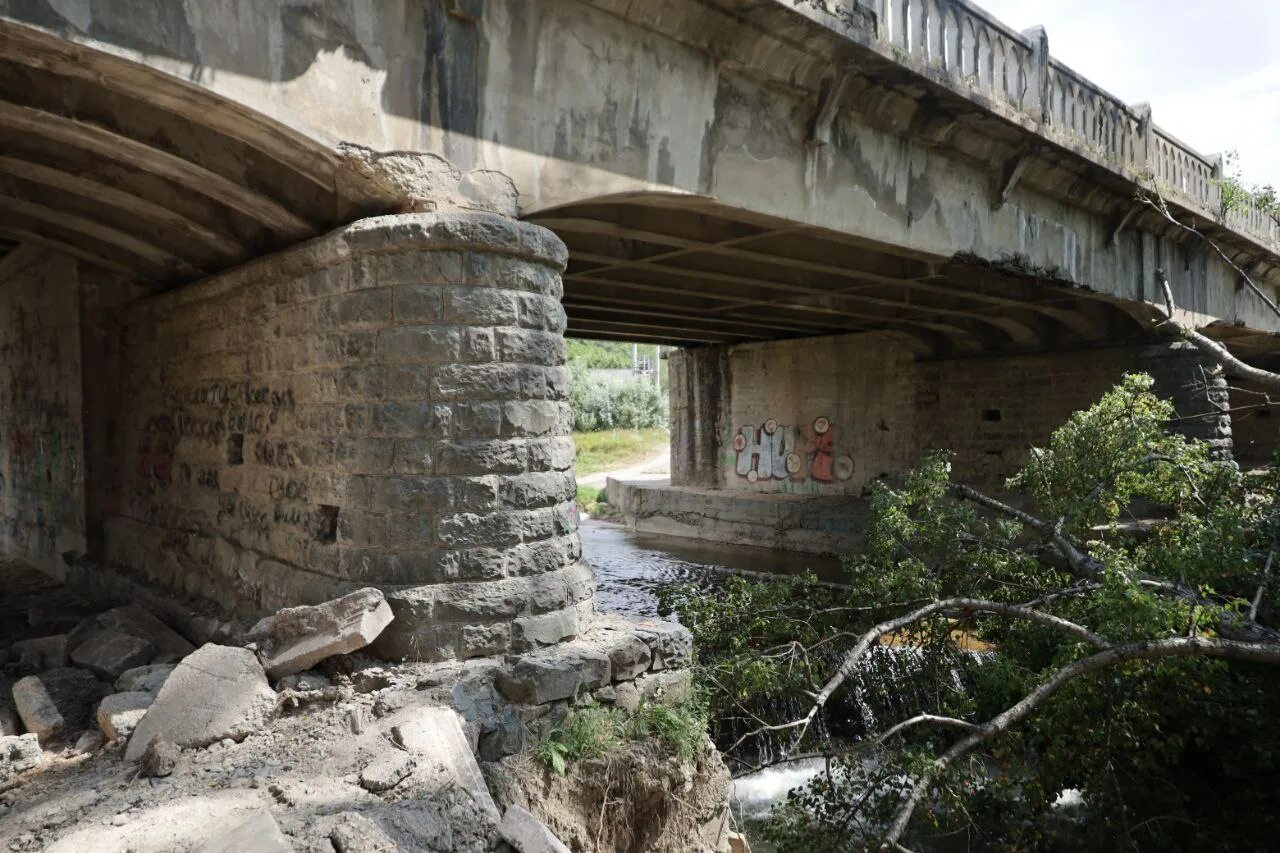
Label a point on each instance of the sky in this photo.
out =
(1210, 70)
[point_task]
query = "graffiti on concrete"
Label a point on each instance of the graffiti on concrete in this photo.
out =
(775, 451)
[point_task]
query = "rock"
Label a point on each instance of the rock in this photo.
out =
(148, 679)
(386, 771)
(90, 741)
(216, 692)
(41, 653)
(670, 687)
(544, 677)
(434, 737)
(18, 753)
(355, 833)
(58, 701)
(297, 638)
(258, 834)
(9, 722)
(108, 653)
(670, 642)
(527, 834)
(738, 843)
(137, 621)
(160, 758)
(303, 681)
(120, 713)
(626, 697)
(629, 657)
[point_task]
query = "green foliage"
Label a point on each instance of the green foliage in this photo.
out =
(597, 405)
(594, 731)
(1237, 195)
(612, 355)
(1173, 754)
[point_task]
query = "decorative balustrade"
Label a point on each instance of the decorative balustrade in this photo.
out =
(959, 42)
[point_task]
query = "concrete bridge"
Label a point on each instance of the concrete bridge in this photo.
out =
(271, 326)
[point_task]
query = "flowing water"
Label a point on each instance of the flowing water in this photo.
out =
(632, 567)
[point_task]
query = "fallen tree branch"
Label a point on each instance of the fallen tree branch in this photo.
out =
(1268, 653)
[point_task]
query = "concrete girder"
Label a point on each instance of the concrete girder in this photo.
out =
(158, 216)
(26, 235)
(310, 158)
(104, 143)
(158, 263)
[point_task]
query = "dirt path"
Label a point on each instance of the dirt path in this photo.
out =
(656, 467)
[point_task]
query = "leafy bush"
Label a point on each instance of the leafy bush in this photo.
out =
(630, 405)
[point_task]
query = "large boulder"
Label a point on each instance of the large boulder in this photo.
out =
(216, 692)
(297, 638)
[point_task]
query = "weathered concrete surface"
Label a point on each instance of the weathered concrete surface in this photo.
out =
(258, 834)
(120, 713)
(216, 692)
(297, 638)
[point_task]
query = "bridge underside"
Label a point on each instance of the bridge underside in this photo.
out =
(687, 271)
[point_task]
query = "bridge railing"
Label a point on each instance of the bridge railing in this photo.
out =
(958, 42)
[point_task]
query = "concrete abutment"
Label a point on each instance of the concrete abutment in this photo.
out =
(383, 406)
(774, 444)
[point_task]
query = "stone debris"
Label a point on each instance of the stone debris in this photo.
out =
(90, 741)
(303, 681)
(41, 653)
(386, 771)
(120, 713)
(355, 833)
(527, 834)
(108, 653)
(216, 692)
(258, 834)
(137, 621)
(434, 737)
(59, 701)
(297, 638)
(18, 753)
(9, 722)
(160, 758)
(148, 679)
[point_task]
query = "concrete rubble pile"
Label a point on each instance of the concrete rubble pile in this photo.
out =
(287, 736)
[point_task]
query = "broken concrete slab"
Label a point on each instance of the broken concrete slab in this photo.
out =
(355, 833)
(305, 681)
(148, 679)
(386, 771)
(435, 738)
(41, 653)
(137, 621)
(120, 713)
(90, 741)
(59, 701)
(108, 653)
(297, 638)
(216, 692)
(258, 834)
(18, 753)
(527, 834)
(9, 722)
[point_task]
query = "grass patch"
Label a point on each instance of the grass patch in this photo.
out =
(611, 449)
(594, 731)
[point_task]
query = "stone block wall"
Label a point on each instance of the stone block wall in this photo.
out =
(825, 416)
(41, 431)
(387, 406)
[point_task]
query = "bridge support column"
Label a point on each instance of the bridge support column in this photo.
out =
(1198, 388)
(385, 406)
